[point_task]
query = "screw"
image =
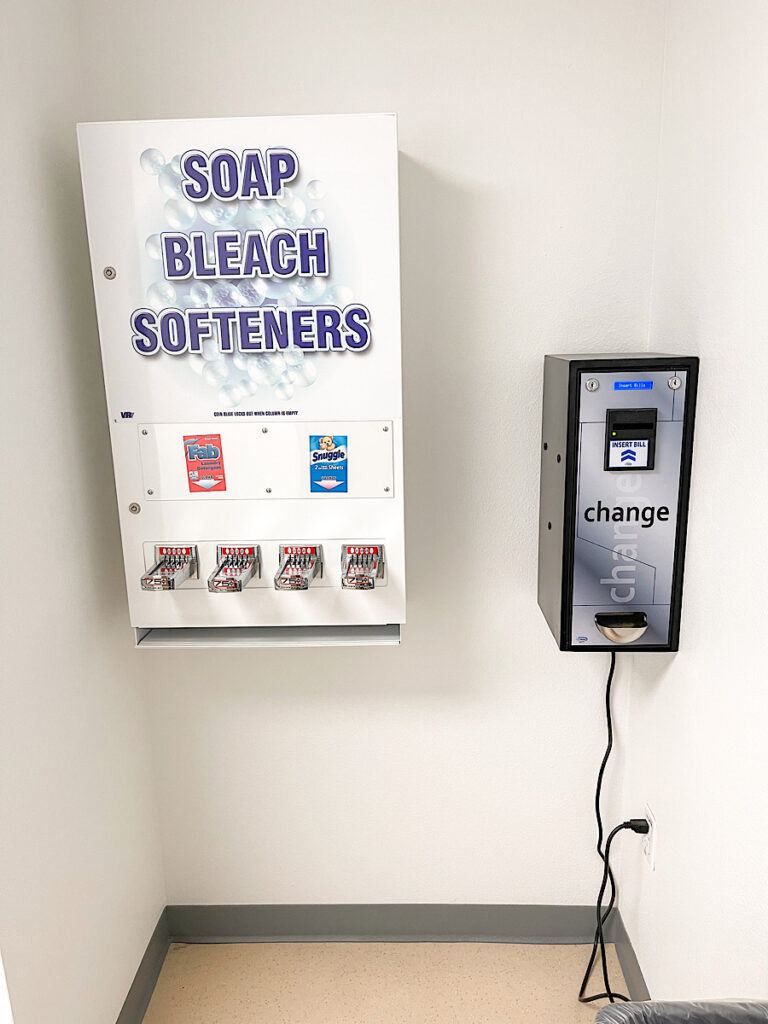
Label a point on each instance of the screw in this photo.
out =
(110, 273)
(150, 491)
(386, 489)
(134, 508)
(385, 429)
(674, 383)
(592, 384)
(145, 432)
(264, 430)
(269, 490)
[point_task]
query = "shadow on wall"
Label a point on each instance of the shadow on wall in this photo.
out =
(435, 323)
(100, 565)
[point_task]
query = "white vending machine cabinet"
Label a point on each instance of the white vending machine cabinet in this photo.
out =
(246, 276)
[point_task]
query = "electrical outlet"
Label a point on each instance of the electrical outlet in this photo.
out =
(649, 839)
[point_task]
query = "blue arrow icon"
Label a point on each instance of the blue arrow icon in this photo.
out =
(628, 455)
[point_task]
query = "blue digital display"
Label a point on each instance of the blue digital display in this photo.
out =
(632, 385)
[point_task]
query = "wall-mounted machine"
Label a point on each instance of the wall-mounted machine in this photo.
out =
(247, 288)
(617, 443)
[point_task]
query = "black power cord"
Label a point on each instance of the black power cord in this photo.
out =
(636, 825)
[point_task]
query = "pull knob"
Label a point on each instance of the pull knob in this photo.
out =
(299, 564)
(236, 564)
(174, 563)
(361, 566)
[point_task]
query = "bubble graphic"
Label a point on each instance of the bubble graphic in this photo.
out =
(294, 211)
(152, 245)
(210, 349)
(170, 182)
(317, 217)
(249, 386)
(160, 295)
(200, 293)
(306, 374)
(271, 366)
(231, 394)
(293, 357)
(253, 292)
(288, 375)
(315, 189)
(225, 294)
(340, 295)
(276, 288)
(215, 372)
(213, 211)
(176, 163)
(310, 289)
(280, 218)
(287, 299)
(256, 372)
(256, 214)
(283, 390)
(152, 161)
(180, 214)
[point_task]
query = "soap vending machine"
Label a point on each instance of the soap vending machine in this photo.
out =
(247, 289)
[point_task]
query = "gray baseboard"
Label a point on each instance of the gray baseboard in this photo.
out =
(633, 975)
(374, 922)
(381, 922)
(140, 992)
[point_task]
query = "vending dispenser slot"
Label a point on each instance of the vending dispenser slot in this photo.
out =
(299, 565)
(622, 627)
(174, 563)
(361, 566)
(236, 564)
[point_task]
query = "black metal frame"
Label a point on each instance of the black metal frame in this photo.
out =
(576, 368)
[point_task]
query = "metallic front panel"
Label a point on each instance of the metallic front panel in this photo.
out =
(626, 523)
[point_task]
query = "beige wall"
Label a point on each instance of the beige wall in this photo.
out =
(81, 883)
(696, 749)
(459, 767)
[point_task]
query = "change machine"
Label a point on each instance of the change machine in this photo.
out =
(247, 289)
(615, 469)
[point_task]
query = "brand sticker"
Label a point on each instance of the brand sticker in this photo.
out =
(328, 463)
(205, 463)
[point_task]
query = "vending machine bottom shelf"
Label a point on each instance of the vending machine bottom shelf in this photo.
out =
(269, 636)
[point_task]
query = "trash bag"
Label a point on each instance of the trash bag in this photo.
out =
(725, 1012)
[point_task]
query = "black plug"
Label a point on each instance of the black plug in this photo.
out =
(641, 825)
